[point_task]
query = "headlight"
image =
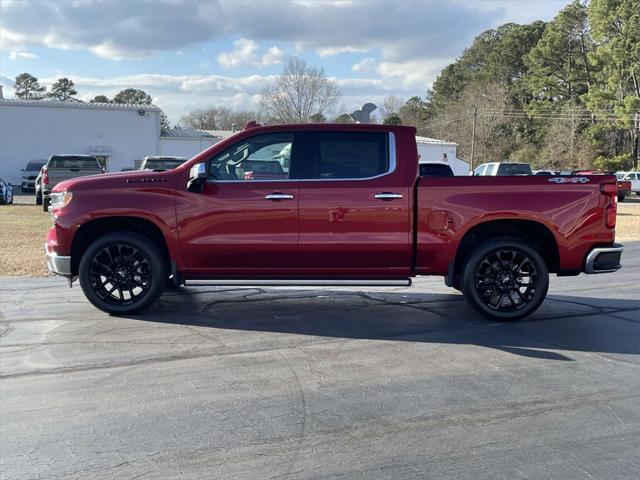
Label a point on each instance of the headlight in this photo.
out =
(60, 199)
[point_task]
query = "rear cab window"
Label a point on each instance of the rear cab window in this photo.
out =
(346, 155)
(74, 163)
(514, 169)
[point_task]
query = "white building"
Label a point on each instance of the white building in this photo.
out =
(120, 135)
(433, 150)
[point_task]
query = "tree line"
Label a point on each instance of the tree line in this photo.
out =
(27, 87)
(563, 94)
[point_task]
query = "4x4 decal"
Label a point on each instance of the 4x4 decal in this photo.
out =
(569, 180)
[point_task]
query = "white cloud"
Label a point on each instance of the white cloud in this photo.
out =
(179, 94)
(247, 52)
(118, 30)
(333, 51)
(364, 66)
(15, 55)
(418, 74)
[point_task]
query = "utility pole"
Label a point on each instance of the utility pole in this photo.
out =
(473, 136)
(636, 140)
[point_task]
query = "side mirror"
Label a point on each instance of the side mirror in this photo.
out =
(198, 175)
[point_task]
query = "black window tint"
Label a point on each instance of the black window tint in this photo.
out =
(435, 170)
(348, 155)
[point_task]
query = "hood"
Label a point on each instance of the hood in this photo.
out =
(118, 180)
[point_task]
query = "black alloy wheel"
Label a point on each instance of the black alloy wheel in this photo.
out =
(123, 273)
(505, 279)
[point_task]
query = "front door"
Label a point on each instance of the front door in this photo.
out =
(354, 206)
(245, 222)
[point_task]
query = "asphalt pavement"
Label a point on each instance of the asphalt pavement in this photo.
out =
(325, 383)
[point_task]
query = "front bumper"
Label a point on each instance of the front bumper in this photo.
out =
(604, 259)
(58, 264)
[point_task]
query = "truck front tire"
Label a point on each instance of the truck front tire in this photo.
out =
(123, 273)
(505, 279)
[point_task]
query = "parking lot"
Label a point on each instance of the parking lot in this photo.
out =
(287, 383)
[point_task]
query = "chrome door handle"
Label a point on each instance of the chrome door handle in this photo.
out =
(278, 196)
(387, 196)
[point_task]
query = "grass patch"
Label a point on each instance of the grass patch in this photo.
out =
(23, 233)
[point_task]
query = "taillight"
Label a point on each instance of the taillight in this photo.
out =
(45, 176)
(611, 210)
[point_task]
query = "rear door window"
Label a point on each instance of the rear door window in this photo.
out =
(347, 155)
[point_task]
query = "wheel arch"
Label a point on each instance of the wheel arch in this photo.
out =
(534, 233)
(93, 229)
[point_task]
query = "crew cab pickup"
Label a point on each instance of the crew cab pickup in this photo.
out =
(348, 209)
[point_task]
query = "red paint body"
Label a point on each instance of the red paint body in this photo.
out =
(333, 228)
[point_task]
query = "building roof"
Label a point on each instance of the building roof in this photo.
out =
(47, 103)
(433, 141)
(184, 133)
(178, 132)
(221, 133)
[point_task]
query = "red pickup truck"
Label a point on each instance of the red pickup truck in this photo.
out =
(349, 208)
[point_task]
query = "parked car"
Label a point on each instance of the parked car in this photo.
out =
(435, 169)
(64, 167)
(6, 193)
(545, 172)
(351, 211)
(160, 164)
(634, 178)
(30, 173)
(503, 168)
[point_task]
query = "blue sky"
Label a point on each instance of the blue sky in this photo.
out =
(195, 54)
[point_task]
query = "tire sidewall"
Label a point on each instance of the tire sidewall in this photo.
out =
(157, 263)
(470, 267)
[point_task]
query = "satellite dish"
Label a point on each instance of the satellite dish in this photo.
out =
(364, 114)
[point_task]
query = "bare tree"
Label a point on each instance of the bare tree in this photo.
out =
(299, 93)
(217, 118)
(391, 106)
(454, 123)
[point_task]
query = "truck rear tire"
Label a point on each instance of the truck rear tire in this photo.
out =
(505, 279)
(46, 201)
(123, 273)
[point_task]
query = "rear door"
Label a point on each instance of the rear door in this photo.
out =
(245, 222)
(354, 212)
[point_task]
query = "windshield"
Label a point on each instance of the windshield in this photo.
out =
(514, 169)
(35, 165)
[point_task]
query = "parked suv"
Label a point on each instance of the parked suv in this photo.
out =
(502, 168)
(65, 167)
(30, 173)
